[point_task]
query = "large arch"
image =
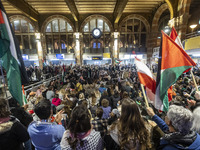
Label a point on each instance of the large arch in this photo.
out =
(139, 17)
(157, 15)
(45, 23)
(96, 17)
(16, 17)
(170, 7)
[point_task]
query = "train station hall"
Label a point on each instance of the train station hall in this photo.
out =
(100, 74)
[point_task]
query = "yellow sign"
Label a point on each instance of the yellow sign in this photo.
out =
(192, 43)
(106, 55)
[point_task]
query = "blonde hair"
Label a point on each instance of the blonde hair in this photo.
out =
(94, 99)
(81, 96)
(38, 100)
(62, 91)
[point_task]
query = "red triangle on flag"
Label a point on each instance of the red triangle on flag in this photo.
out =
(176, 56)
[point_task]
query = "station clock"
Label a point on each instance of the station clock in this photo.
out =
(96, 33)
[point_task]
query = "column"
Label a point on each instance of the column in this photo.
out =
(116, 45)
(77, 51)
(180, 24)
(39, 49)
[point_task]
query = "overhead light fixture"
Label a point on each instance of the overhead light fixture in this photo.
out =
(193, 26)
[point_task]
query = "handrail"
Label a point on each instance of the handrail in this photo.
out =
(39, 82)
(30, 87)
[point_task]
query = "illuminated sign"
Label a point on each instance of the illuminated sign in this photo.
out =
(97, 58)
(60, 56)
(25, 57)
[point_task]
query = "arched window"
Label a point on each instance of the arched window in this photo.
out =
(163, 21)
(133, 34)
(92, 45)
(24, 32)
(96, 23)
(59, 36)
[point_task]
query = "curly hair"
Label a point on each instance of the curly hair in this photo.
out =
(181, 118)
(196, 124)
(4, 111)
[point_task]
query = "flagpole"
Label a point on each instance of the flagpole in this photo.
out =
(144, 94)
(194, 80)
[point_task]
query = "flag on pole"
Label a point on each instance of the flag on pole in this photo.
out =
(117, 61)
(173, 61)
(147, 79)
(11, 57)
(175, 37)
(23, 95)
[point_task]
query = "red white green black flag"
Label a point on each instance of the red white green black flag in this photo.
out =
(10, 57)
(173, 61)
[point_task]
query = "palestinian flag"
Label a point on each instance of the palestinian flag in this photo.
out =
(23, 95)
(174, 36)
(173, 61)
(117, 61)
(11, 57)
(147, 79)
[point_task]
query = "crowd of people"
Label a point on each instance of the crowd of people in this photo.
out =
(37, 74)
(101, 107)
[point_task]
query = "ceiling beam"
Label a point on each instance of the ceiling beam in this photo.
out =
(25, 8)
(119, 8)
(72, 7)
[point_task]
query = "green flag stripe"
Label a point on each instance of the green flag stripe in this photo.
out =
(11, 65)
(168, 78)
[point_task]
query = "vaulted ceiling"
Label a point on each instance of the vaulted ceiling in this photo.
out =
(141, 6)
(34, 8)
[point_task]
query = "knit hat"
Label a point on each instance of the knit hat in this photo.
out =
(116, 112)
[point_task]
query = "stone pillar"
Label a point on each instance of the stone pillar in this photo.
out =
(116, 45)
(81, 48)
(77, 50)
(39, 49)
(180, 24)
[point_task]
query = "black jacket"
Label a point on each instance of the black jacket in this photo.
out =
(12, 135)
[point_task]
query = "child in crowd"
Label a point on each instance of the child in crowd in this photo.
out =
(106, 108)
(100, 124)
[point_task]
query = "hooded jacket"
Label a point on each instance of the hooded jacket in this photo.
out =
(176, 141)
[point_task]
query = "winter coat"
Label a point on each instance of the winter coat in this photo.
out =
(12, 134)
(176, 141)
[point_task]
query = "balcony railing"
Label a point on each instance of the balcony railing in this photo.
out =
(191, 35)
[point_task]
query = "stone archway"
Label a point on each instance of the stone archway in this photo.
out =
(157, 15)
(45, 23)
(16, 17)
(96, 17)
(139, 17)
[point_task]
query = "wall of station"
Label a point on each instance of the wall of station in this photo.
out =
(179, 14)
